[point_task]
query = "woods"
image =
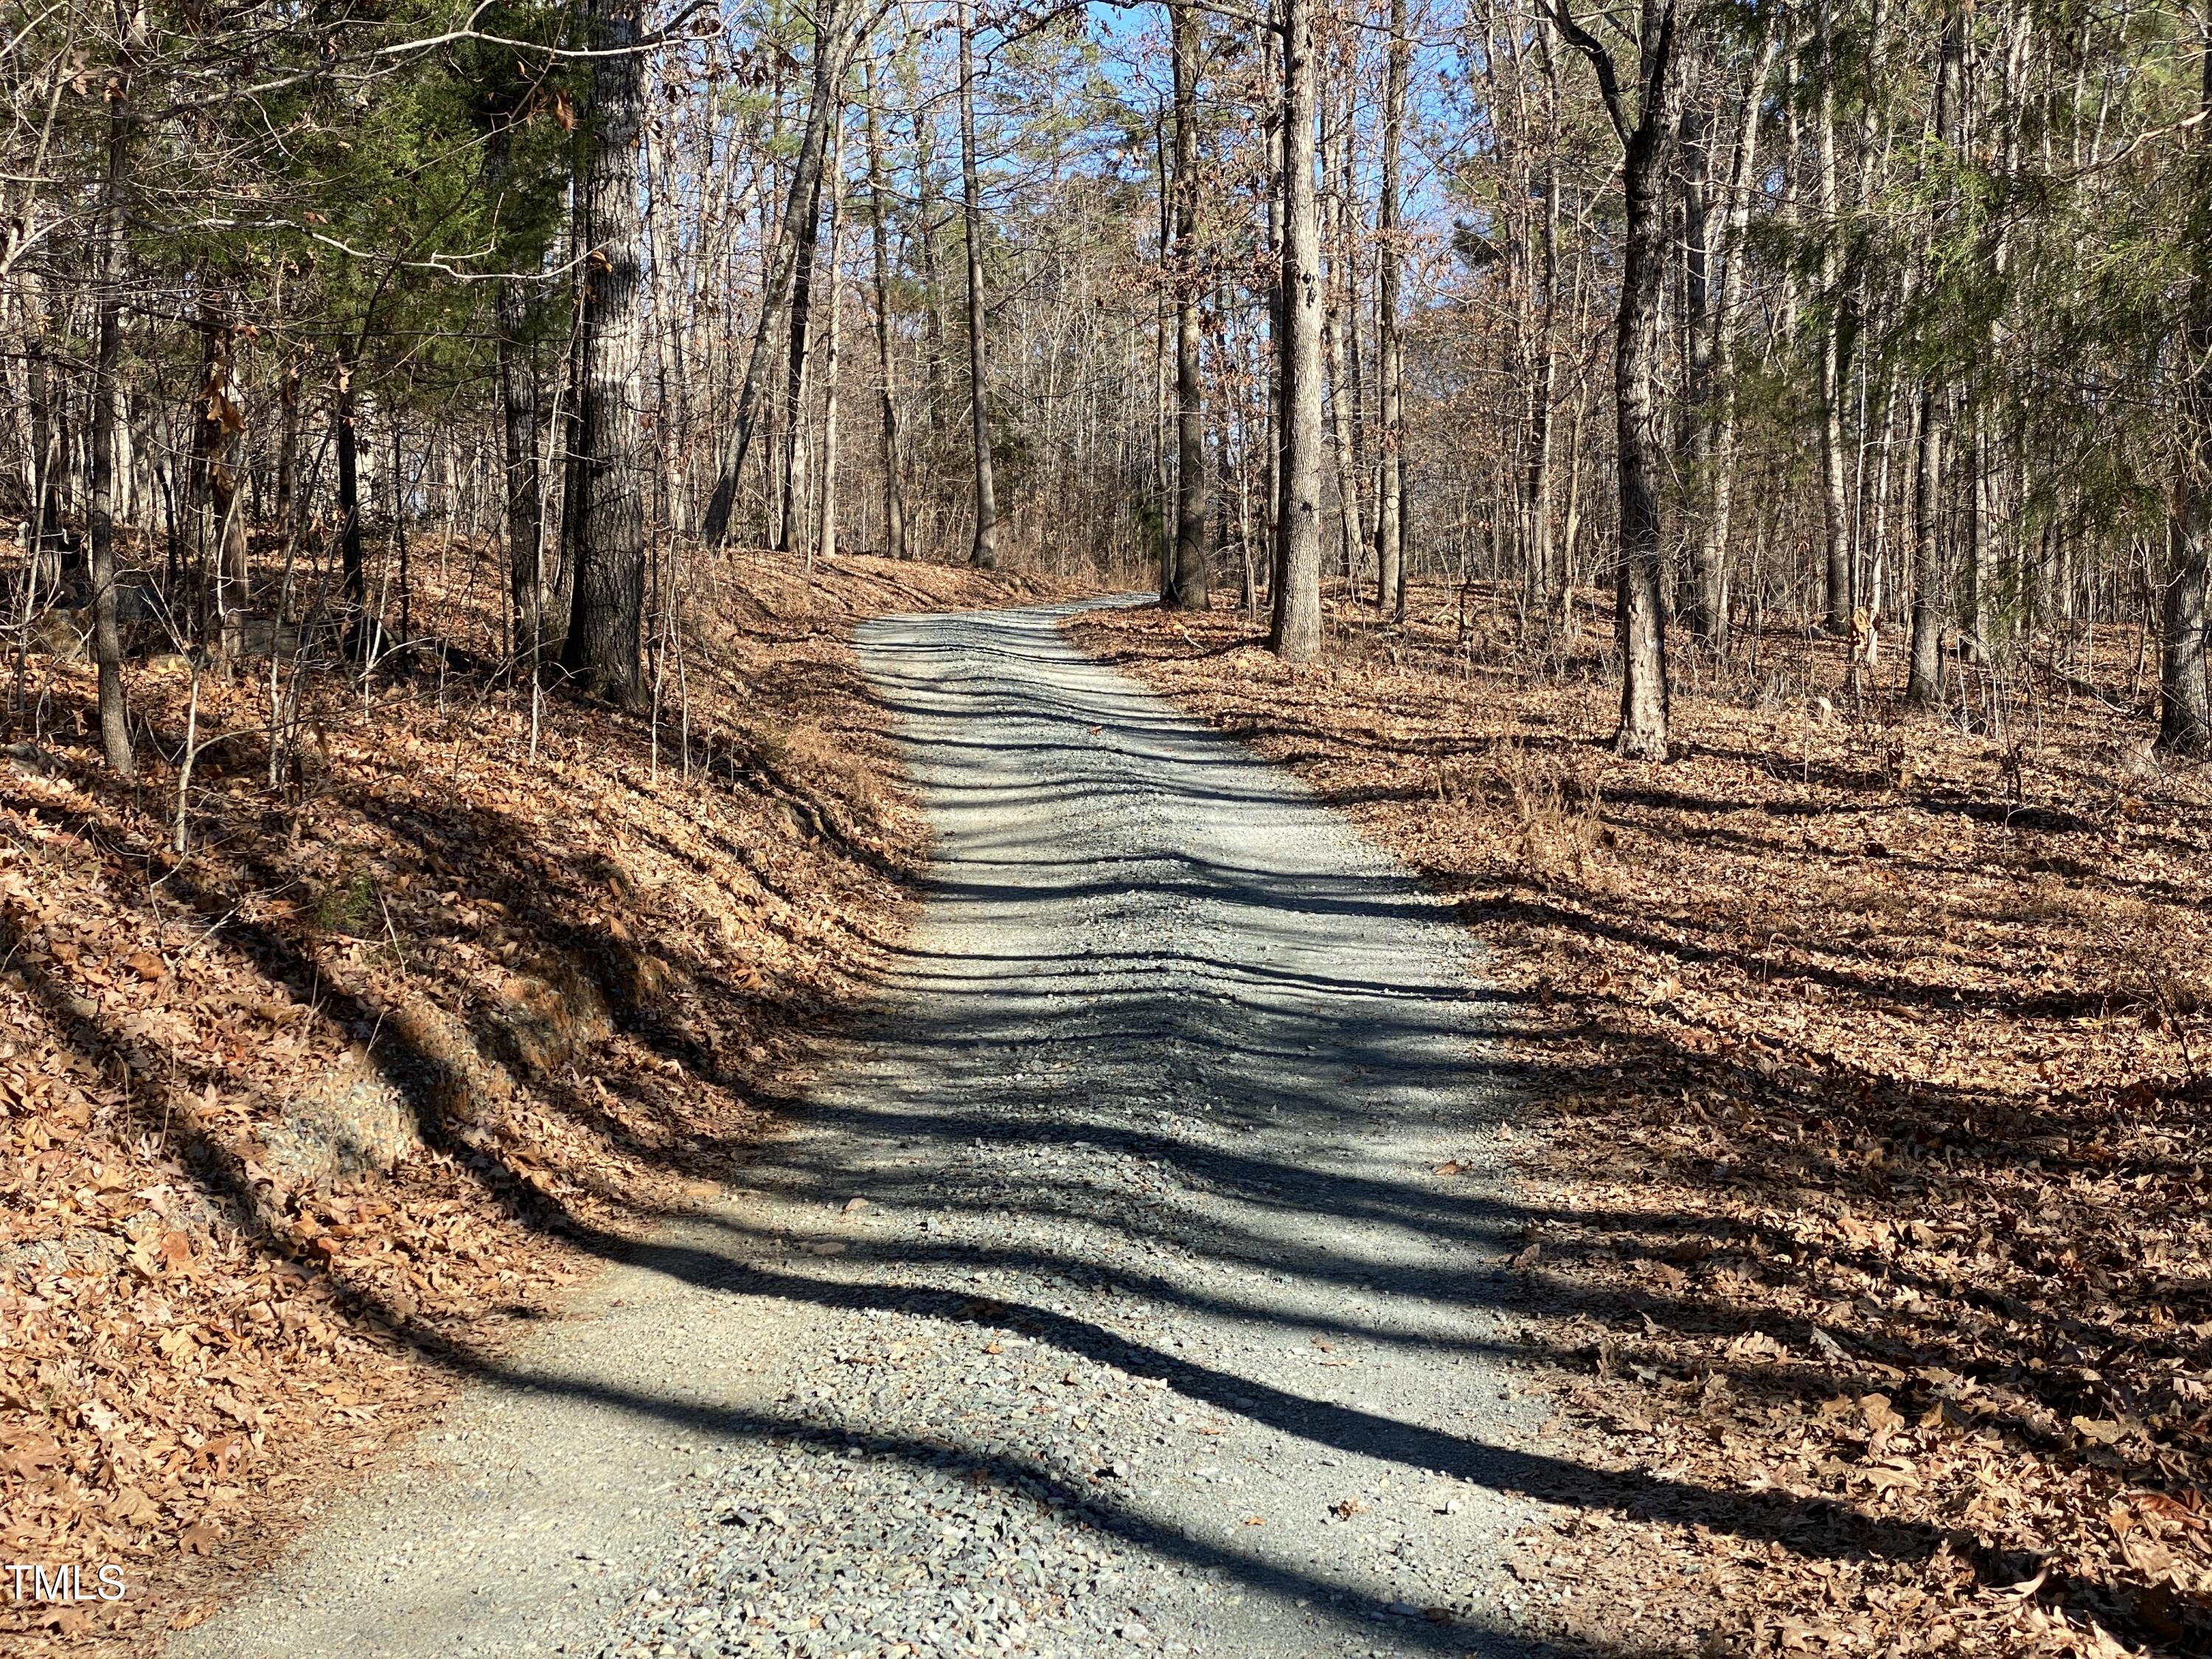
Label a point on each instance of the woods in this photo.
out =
(1524, 298)
(1679, 476)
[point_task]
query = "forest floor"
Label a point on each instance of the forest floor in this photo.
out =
(1866, 1137)
(299, 1127)
(1096, 1300)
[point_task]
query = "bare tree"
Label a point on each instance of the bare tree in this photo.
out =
(1188, 579)
(1390, 497)
(1647, 139)
(986, 548)
(895, 532)
(1295, 634)
(2184, 726)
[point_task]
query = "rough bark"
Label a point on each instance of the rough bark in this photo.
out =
(2184, 724)
(1295, 634)
(1647, 140)
(1923, 683)
(603, 648)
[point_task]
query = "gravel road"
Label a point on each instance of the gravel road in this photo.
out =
(1104, 1300)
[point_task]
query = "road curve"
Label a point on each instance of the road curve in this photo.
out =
(1102, 1300)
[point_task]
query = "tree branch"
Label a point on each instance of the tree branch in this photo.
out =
(1608, 82)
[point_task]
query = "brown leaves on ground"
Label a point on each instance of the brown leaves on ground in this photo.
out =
(328, 1110)
(1864, 1053)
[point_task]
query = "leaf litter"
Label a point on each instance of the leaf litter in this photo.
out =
(298, 1129)
(1864, 1139)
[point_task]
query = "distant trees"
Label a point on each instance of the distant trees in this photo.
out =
(1890, 320)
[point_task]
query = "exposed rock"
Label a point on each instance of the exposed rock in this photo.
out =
(350, 1120)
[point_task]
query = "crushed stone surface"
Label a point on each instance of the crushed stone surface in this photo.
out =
(1104, 1299)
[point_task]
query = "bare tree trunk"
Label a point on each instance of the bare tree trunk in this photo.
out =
(792, 532)
(1389, 502)
(106, 637)
(219, 418)
(603, 648)
(1190, 583)
(523, 502)
(1709, 554)
(1640, 619)
(895, 531)
(833, 49)
(1925, 682)
(1337, 300)
(985, 552)
(1545, 575)
(287, 439)
(1271, 47)
(346, 440)
(825, 531)
(1835, 521)
(1295, 634)
(1696, 331)
(2184, 726)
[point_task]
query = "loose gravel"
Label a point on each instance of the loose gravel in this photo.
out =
(1105, 1299)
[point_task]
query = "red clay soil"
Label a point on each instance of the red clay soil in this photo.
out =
(1863, 1166)
(296, 1127)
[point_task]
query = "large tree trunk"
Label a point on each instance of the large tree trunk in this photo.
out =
(2184, 726)
(985, 551)
(1389, 502)
(603, 648)
(107, 397)
(833, 49)
(1295, 634)
(895, 531)
(1640, 618)
(1189, 583)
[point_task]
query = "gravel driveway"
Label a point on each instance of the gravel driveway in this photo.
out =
(1105, 1300)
